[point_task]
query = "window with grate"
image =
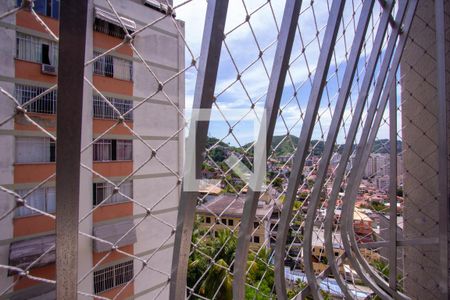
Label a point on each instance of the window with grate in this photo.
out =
(103, 190)
(43, 199)
(109, 28)
(45, 104)
(103, 110)
(35, 49)
(110, 277)
(35, 150)
(111, 150)
(115, 67)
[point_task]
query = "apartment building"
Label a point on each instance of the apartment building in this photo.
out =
(29, 60)
(224, 212)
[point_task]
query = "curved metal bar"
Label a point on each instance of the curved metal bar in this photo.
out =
(333, 131)
(203, 98)
(443, 154)
(392, 256)
(302, 147)
(363, 152)
(272, 105)
(351, 134)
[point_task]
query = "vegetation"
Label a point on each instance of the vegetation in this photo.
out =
(209, 279)
(378, 206)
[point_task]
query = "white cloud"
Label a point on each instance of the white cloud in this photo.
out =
(244, 50)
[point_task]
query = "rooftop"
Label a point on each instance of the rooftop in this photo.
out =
(229, 205)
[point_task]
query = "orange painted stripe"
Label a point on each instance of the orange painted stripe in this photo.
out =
(24, 226)
(113, 85)
(27, 20)
(26, 173)
(101, 125)
(113, 211)
(32, 71)
(127, 292)
(104, 41)
(113, 256)
(48, 272)
(113, 168)
(48, 121)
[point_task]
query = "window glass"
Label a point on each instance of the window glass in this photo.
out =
(32, 149)
(43, 199)
(124, 150)
(102, 150)
(40, 6)
(51, 199)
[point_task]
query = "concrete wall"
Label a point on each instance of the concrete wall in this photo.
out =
(420, 134)
(85, 244)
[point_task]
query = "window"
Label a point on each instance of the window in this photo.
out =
(110, 277)
(230, 222)
(255, 224)
(34, 49)
(43, 199)
(111, 66)
(216, 233)
(35, 149)
(104, 111)
(256, 239)
(110, 150)
(208, 220)
(124, 150)
(103, 190)
(109, 28)
(49, 8)
(45, 104)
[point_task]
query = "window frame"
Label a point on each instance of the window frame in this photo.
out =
(103, 110)
(112, 150)
(108, 190)
(47, 143)
(30, 48)
(112, 276)
(49, 196)
(46, 104)
(105, 66)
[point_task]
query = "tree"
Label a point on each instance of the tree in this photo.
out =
(217, 282)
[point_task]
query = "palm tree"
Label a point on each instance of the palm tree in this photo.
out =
(218, 282)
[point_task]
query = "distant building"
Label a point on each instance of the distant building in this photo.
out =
(362, 224)
(225, 211)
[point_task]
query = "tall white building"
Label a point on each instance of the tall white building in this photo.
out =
(29, 58)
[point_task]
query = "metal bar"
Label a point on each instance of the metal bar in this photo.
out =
(272, 105)
(72, 41)
(363, 151)
(352, 64)
(444, 191)
(203, 99)
(392, 256)
(351, 134)
(402, 243)
(303, 145)
(355, 123)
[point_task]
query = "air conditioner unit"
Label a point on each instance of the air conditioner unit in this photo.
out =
(49, 69)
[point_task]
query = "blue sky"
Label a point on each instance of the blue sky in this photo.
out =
(243, 51)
